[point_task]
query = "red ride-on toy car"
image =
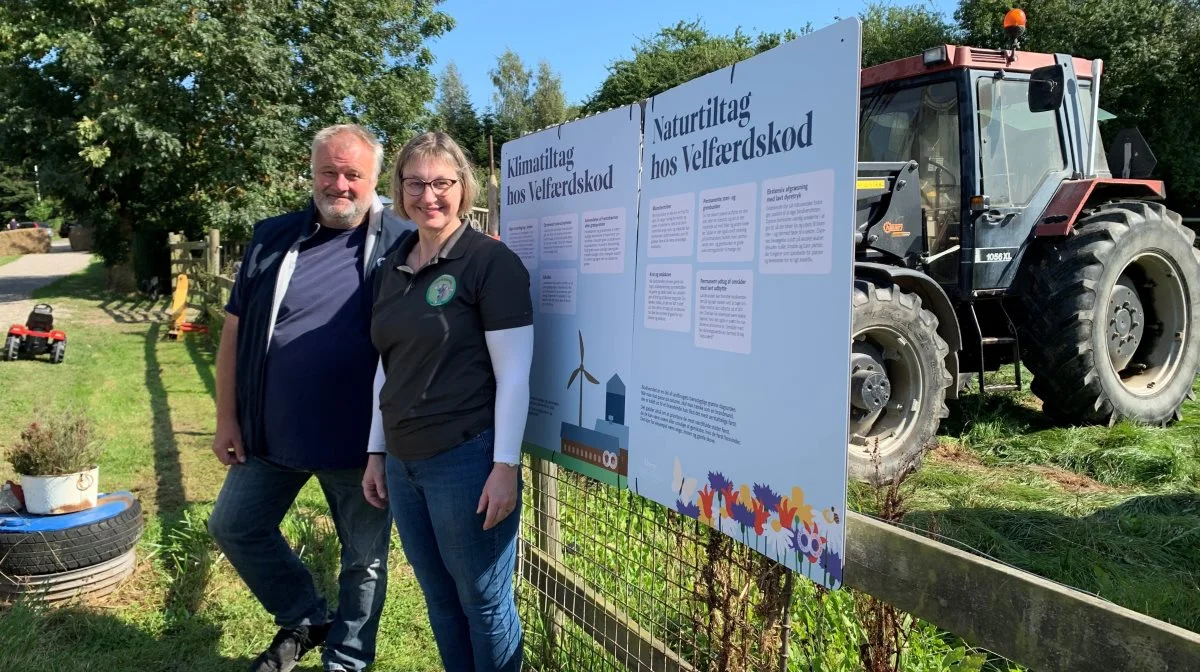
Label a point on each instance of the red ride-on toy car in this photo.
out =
(36, 337)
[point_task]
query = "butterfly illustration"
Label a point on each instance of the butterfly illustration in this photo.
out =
(685, 488)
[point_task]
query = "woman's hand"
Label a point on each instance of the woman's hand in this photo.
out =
(499, 496)
(374, 483)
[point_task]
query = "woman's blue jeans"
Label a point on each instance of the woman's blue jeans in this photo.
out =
(465, 572)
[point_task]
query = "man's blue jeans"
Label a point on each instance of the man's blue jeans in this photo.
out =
(465, 572)
(245, 525)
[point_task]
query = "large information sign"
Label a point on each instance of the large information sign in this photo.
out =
(569, 203)
(742, 326)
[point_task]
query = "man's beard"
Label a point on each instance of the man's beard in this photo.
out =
(341, 219)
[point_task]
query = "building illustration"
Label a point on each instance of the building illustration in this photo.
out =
(607, 445)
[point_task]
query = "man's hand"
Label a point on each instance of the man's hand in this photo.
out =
(499, 496)
(227, 443)
(374, 482)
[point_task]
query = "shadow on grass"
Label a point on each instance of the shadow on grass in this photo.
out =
(1143, 554)
(184, 546)
(123, 308)
(204, 358)
(971, 410)
(79, 639)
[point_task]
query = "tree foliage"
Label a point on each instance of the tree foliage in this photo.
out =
(675, 55)
(891, 32)
(146, 115)
(456, 114)
(547, 103)
(17, 193)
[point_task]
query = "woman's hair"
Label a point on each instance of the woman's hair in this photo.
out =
(434, 145)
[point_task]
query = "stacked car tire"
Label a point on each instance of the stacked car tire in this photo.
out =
(82, 554)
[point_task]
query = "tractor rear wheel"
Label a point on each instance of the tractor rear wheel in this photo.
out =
(898, 382)
(1112, 317)
(57, 351)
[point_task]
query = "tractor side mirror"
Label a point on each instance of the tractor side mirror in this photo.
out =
(1046, 87)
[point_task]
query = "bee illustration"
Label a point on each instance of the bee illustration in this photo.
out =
(831, 516)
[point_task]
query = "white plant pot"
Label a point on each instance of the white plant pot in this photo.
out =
(46, 495)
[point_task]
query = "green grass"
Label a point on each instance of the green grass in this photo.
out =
(184, 607)
(8, 259)
(1114, 511)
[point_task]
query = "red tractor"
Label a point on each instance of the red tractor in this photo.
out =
(993, 230)
(36, 337)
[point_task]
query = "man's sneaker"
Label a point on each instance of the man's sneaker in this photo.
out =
(288, 647)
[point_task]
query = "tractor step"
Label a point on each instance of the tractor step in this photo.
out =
(1010, 340)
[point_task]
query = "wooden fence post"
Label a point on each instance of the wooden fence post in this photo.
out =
(177, 256)
(549, 538)
(213, 253)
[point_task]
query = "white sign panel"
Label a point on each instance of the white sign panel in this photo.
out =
(740, 384)
(569, 209)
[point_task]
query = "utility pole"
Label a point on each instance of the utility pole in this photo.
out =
(37, 185)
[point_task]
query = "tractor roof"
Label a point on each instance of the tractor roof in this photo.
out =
(957, 57)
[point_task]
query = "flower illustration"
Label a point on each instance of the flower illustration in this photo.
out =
(831, 562)
(741, 514)
(706, 500)
(729, 497)
(718, 481)
(768, 497)
(802, 510)
(797, 539)
(761, 514)
(689, 509)
(787, 514)
(811, 541)
(776, 539)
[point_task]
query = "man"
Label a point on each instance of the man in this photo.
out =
(294, 382)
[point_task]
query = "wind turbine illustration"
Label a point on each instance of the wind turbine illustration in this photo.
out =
(590, 378)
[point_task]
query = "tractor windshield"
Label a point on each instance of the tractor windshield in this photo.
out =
(921, 123)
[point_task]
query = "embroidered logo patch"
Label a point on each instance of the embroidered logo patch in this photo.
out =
(441, 291)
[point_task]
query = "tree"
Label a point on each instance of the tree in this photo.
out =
(892, 32)
(456, 115)
(547, 105)
(1149, 48)
(675, 55)
(147, 114)
(17, 193)
(510, 100)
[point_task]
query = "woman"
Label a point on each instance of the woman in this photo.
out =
(452, 321)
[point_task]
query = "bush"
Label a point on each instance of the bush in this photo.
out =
(60, 443)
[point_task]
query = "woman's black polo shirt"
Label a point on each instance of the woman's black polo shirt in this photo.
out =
(428, 326)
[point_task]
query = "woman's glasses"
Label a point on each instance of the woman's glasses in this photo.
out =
(415, 187)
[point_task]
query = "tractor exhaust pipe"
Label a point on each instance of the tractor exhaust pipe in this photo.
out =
(1094, 132)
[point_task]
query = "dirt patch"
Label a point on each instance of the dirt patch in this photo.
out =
(1071, 481)
(954, 453)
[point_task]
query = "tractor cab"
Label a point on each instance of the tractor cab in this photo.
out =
(991, 148)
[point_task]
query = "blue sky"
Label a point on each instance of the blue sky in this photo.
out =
(579, 39)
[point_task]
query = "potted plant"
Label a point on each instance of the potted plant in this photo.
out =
(56, 458)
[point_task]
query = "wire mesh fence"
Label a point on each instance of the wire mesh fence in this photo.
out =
(611, 581)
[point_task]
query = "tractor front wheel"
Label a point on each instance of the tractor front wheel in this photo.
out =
(1112, 317)
(12, 348)
(58, 351)
(898, 382)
